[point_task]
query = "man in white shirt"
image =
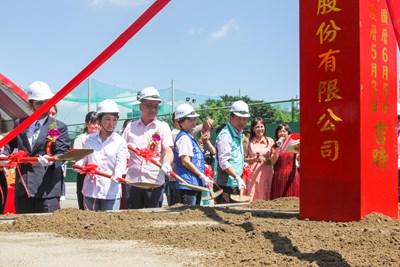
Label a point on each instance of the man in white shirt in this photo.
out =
(150, 134)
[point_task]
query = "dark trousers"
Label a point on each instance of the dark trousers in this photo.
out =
(23, 204)
(225, 197)
(190, 197)
(172, 193)
(3, 191)
(139, 198)
(79, 185)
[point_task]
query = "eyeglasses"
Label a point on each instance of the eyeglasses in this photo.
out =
(151, 107)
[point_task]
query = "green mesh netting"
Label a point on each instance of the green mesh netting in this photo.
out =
(128, 97)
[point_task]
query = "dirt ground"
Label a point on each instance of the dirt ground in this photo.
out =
(262, 233)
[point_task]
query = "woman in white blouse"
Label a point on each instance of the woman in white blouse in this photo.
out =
(110, 150)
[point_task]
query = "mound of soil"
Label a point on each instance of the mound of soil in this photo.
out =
(262, 233)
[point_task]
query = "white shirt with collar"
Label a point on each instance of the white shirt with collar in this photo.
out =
(110, 158)
(139, 136)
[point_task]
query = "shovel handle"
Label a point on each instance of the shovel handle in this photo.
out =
(158, 164)
(241, 192)
(107, 175)
(26, 159)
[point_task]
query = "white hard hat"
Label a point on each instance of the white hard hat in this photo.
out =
(39, 91)
(107, 106)
(398, 109)
(150, 93)
(185, 111)
(240, 109)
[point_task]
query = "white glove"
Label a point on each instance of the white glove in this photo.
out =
(115, 180)
(166, 168)
(240, 182)
(205, 179)
(44, 161)
(3, 162)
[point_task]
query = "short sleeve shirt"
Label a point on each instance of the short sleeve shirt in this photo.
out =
(140, 136)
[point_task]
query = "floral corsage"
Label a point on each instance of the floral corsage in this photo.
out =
(155, 140)
(149, 153)
(52, 136)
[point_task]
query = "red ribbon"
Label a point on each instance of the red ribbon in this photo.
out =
(148, 154)
(89, 168)
(209, 171)
(89, 69)
(15, 158)
(13, 162)
(48, 147)
(246, 172)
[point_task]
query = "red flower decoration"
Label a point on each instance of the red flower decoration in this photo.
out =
(246, 171)
(156, 137)
(52, 136)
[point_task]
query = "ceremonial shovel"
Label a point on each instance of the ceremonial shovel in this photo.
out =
(173, 174)
(241, 197)
(72, 155)
(89, 168)
(212, 193)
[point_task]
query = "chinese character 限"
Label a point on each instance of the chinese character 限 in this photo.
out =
(328, 88)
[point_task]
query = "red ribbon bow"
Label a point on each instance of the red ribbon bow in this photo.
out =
(246, 172)
(148, 154)
(89, 168)
(15, 159)
(209, 171)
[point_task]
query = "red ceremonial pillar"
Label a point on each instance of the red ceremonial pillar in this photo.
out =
(348, 110)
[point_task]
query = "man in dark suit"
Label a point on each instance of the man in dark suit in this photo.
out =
(40, 187)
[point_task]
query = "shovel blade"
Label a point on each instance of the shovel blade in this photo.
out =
(214, 194)
(75, 154)
(241, 198)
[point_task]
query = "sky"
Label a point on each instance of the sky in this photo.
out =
(208, 47)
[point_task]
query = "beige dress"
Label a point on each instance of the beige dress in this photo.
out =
(258, 184)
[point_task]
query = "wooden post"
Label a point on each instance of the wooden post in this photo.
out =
(348, 110)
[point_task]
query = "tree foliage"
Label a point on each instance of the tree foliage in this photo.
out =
(218, 110)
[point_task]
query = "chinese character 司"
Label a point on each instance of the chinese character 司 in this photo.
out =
(330, 149)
